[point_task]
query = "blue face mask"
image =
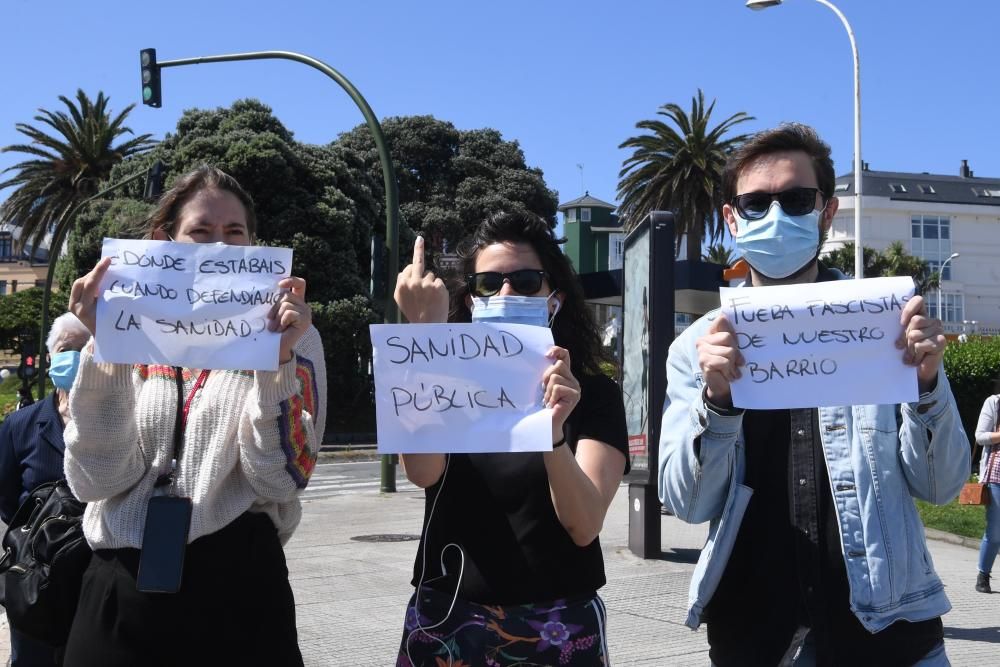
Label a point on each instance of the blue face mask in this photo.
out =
(63, 368)
(778, 244)
(533, 310)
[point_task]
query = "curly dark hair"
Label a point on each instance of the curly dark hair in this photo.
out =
(574, 327)
(186, 187)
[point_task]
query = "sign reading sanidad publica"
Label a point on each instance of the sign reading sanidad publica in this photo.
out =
(451, 388)
(196, 305)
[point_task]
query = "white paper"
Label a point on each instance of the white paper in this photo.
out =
(449, 388)
(196, 305)
(821, 344)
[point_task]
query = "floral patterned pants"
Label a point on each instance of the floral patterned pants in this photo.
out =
(563, 632)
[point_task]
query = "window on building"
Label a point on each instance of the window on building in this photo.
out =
(952, 308)
(571, 215)
(927, 189)
(584, 215)
(992, 192)
(842, 187)
(39, 283)
(897, 187)
(930, 239)
(616, 252)
(6, 247)
(13, 286)
(3, 287)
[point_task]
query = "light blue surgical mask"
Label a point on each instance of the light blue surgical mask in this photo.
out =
(63, 368)
(514, 309)
(778, 244)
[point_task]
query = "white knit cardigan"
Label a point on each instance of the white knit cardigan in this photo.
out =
(250, 443)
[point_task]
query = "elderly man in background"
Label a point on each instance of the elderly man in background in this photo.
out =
(31, 453)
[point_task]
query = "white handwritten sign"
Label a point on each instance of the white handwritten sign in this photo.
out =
(443, 388)
(196, 305)
(820, 344)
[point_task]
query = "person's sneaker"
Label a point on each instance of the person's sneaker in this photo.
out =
(983, 583)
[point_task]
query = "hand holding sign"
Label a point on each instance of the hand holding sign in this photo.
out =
(924, 342)
(421, 296)
(83, 295)
(291, 316)
(719, 359)
(562, 390)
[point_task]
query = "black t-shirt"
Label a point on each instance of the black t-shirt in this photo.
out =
(498, 509)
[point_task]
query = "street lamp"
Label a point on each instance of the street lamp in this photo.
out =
(858, 251)
(940, 278)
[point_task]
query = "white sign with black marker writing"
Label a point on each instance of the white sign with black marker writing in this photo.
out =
(448, 388)
(821, 344)
(196, 305)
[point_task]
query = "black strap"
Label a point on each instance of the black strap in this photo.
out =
(168, 478)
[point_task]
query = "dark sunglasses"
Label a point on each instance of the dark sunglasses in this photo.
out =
(794, 201)
(488, 283)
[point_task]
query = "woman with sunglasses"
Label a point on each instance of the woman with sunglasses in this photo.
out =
(509, 563)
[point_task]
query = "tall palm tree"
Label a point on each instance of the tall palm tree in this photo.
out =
(679, 170)
(67, 165)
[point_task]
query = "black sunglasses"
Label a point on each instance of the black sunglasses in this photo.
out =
(794, 201)
(488, 283)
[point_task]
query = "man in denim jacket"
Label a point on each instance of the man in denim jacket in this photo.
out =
(815, 554)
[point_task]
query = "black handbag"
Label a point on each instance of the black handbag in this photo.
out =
(45, 555)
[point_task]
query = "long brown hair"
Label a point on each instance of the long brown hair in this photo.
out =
(187, 186)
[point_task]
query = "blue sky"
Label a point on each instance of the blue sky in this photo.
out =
(568, 80)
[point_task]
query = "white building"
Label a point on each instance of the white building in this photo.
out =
(935, 216)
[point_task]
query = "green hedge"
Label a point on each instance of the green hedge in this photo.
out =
(973, 369)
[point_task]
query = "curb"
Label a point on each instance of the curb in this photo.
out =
(347, 455)
(951, 538)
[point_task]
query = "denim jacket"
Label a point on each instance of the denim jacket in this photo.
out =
(873, 469)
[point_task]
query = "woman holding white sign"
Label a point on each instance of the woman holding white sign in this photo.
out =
(192, 475)
(509, 562)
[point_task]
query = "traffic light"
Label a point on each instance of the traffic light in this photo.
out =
(150, 78)
(26, 370)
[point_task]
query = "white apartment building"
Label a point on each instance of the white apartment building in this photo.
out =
(935, 216)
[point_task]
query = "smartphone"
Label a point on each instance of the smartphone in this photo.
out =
(164, 541)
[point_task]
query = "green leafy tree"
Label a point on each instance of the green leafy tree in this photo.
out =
(973, 369)
(449, 179)
(19, 315)
(677, 166)
(69, 159)
(719, 253)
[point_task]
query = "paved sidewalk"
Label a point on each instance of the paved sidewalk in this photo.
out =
(350, 595)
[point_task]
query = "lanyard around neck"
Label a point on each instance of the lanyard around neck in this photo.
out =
(180, 421)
